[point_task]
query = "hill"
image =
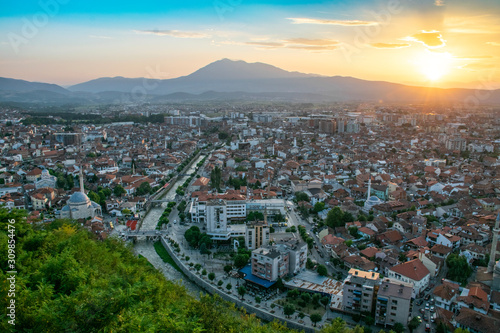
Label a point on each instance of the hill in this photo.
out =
(69, 282)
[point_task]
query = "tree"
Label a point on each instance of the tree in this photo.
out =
(319, 206)
(413, 324)
(204, 272)
(325, 300)
(119, 190)
(216, 178)
(293, 293)
(315, 299)
(229, 286)
(301, 196)
(241, 260)
(458, 268)
(369, 320)
(309, 264)
(211, 276)
(242, 291)
(257, 299)
(94, 196)
(143, 189)
(288, 310)
(228, 268)
(322, 270)
(70, 182)
(192, 236)
(203, 249)
(334, 218)
(306, 297)
(315, 318)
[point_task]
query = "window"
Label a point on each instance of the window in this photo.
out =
(394, 302)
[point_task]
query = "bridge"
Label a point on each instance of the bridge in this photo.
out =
(148, 234)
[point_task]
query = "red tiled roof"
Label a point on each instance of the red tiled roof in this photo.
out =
(413, 269)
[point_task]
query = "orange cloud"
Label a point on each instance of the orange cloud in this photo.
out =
(389, 45)
(431, 39)
(305, 20)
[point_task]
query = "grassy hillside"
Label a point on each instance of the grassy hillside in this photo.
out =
(68, 282)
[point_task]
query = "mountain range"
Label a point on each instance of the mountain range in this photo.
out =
(235, 80)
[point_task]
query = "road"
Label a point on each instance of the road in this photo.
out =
(151, 220)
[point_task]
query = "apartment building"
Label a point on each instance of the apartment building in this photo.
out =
(393, 303)
(359, 292)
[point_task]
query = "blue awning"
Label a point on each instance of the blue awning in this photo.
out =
(248, 276)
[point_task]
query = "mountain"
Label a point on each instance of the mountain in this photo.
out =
(7, 84)
(238, 80)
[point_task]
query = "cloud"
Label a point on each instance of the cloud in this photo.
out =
(268, 45)
(312, 42)
(439, 3)
(389, 45)
(348, 23)
(493, 43)
(313, 48)
(173, 33)
(431, 39)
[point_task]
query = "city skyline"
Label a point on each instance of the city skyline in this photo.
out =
(427, 43)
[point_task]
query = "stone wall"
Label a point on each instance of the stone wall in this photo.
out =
(212, 289)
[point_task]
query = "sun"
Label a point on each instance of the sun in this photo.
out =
(434, 65)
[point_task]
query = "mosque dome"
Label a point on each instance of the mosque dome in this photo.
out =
(78, 198)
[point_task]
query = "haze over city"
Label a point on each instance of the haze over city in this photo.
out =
(429, 43)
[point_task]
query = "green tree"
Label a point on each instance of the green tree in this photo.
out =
(318, 206)
(192, 236)
(229, 286)
(413, 324)
(301, 196)
(94, 196)
(241, 260)
(315, 318)
(119, 190)
(458, 268)
(325, 300)
(441, 328)
(288, 310)
(211, 276)
(143, 189)
(322, 270)
(228, 268)
(334, 218)
(242, 291)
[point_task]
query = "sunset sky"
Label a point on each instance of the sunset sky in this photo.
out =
(443, 43)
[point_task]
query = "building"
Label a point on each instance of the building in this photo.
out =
(79, 206)
(413, 272)
(69, 139)
(360, 289)
(392, 303)
(269, 263)
(476, 322)
(46, 180)
(446, 294)
(257, 235)
(297, 250)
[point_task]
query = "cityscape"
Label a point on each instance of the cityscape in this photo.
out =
(239, 192)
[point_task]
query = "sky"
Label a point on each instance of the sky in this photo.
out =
(441, 43)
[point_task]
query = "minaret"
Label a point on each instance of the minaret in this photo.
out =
(496, 230)
(369, 187)
(273, 149)
(295, 142)
(81, 180)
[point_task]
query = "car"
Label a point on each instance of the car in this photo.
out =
(419, 319)
(428, 288)
(427, 327)
(431, 301)
(432, 309)
(427, 297)
(419, 302)
(426, 318)
(422, 311)
(321, 254)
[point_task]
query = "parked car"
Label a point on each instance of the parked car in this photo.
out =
(427, 327)
(419, 302)
(422, 311)
(432, 309)
(427, 297)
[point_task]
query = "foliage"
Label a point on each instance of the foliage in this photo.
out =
(216, 178)
(413, 324)
(69, 282)
(288, 310)
(337, 218)
(458, 268)
(318, 206)
(301, 196)
(195, 238)
(119, 190)
(241, 260)
(143, 189)
(255, 216)
(322, 270)
(316, 317)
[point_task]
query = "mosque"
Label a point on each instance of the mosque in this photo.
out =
(79, 206)
(371, 200)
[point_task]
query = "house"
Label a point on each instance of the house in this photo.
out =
(413, 272)
(476, 322)
(446, 294)
(474, 298)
